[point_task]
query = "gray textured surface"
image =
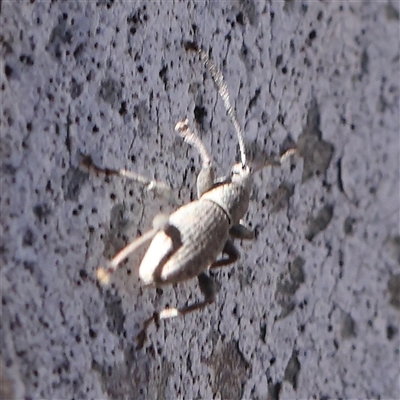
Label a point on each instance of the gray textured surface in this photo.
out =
(312, 310)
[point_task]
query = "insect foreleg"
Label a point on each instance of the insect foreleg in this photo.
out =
(206, 177)
(150, 184)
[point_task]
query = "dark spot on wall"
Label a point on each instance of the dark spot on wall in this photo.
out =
(79, 51)
(75, 88)
(348, 225)
(163, 75)
(60, 36)
(83, 274)
(296, 271)
(320, 222)
(230, 370)
(42, 211)
(391, 331)
(107, 3)
(364, 63)
(348, 326)
(288, 5)
(287, 286)
(311, 37)
(8, 71)
(115, 313)
(134, 21)
(263, 332)
(272, 15)
(26, 60)
(141, 112)
(8, 169)
(316, 152)
(110, 91)
(6, 47)
(28, 239)
(274, 390)
(114, 239)
(200, 113)
(340, 175)
(394, 290)
(392, 247)
(253, 100)
(123, 110)
(281, 119)
(249, 10)
(92, 333)
(72, 183)
(240, 18)
(392, 14)
(7, 384)
(292, 370)
(280, 197)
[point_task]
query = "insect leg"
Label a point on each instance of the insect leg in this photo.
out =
(150, 184)
(103, 273)
(232, 255)
(207, 287)
(205, 180)
(239, 231)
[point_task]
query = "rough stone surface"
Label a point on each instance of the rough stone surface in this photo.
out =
(312, 309)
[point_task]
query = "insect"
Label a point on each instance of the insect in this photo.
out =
(198, 236)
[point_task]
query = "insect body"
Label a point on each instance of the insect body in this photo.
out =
(188, 242)
(199, 231)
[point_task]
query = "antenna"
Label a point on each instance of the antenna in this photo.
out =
(223, 92)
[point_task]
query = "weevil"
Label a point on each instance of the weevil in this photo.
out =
(197, 236)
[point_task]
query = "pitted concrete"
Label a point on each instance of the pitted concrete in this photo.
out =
(312, 308)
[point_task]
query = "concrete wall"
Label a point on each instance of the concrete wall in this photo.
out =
(312, 309)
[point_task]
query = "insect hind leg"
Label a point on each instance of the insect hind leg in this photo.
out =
(232, 255)
(207, 287)
(160, 222)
